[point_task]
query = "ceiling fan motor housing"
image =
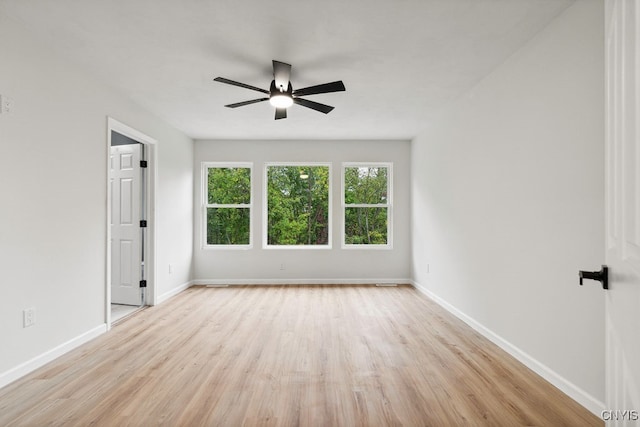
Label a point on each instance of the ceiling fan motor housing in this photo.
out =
(274, 90)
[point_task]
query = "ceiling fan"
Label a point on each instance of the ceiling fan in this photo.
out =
(281, 93)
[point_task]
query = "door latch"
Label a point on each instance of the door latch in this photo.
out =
(601, 276)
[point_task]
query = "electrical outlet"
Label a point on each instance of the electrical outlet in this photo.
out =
(170, 268)
(282, 266)
(29, 317)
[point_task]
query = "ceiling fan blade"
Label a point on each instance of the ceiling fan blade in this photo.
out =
(281, 74)
(243, 103)
(313, 105)
(281, 113)
(337, 86)
(234, 83)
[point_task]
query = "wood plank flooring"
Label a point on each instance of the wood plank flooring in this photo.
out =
(289, 356)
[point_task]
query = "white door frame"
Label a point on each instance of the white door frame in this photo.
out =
(150, 146)
(622, 202)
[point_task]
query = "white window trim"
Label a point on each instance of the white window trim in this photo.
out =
(388, 205)
(265, 206)
(205, 166)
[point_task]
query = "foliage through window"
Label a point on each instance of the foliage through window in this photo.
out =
(228, 205)
(367, 203)
(297, 205)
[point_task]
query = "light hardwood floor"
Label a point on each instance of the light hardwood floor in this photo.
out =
(288, 356)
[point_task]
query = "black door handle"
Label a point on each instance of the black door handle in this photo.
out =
(601, 276)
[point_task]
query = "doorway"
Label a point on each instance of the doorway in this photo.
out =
(130, 225)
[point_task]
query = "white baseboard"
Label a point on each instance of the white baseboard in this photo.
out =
(173, 292)
(31, 365)
(300, 281)
(567, 387)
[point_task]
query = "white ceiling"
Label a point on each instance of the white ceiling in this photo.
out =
(401, 61)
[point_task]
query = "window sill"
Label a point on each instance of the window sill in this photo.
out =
(226, 247)
(368, 247)
(297, 247)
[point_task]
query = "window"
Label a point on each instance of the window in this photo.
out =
(367, 205)
(227, 205)
(298, 205)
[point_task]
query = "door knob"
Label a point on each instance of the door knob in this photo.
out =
(601, 276)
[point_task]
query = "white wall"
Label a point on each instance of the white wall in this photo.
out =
(507, 194)
(258, 265)
(53, 178)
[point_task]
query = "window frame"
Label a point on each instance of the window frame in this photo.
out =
(204, 194)
(265, 208)
(388, 205)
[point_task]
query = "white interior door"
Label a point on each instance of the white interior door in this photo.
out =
(126, 235)
(622, 40)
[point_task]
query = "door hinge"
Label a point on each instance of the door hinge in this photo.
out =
(143, 223)
(143, 163)
(143, 283)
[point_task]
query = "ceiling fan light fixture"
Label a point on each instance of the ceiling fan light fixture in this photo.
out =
(281, 100)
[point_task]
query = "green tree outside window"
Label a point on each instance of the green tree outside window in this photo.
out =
(298, 205)
(228, 206)
(366, 205)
